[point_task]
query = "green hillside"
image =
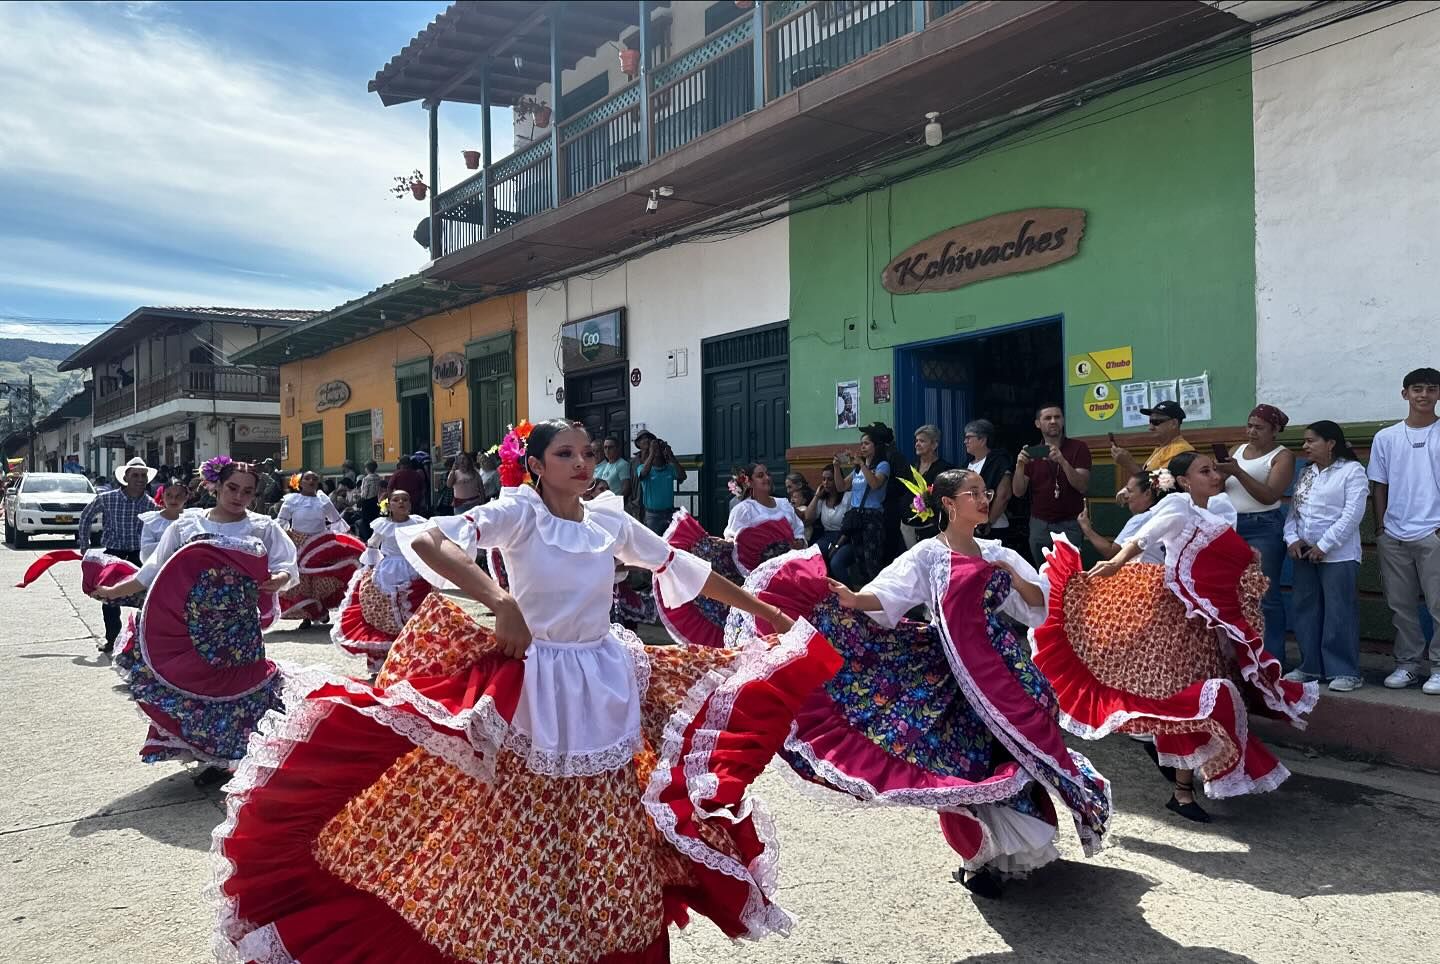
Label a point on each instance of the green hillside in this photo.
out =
(21, 358)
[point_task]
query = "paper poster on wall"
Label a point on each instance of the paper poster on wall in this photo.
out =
(882, 389)
(847, 404)
(1133, 397)
(1195, 397)
(1163, 391)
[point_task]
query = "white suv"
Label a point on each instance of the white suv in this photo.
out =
(47, 502)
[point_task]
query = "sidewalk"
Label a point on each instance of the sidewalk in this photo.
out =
(1373, 723)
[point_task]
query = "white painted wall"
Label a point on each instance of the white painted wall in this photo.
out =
(674, 298)
(1347, 149)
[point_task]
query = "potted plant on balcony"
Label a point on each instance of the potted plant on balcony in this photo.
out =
(413, 184)
(537, 110)
(472, 159)
(629, 62)
(744, 4)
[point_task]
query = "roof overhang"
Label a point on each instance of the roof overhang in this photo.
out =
(142, 322)
(389, 306)
(443, 61)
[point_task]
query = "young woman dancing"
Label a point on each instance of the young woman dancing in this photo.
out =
(1173, 650)
(328, 554)
(950, 714)
(384, 592)
(549, 791)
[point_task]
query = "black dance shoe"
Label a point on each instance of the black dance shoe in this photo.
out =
(983, 883)
(1190, 811)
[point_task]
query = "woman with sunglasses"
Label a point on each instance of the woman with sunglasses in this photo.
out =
(951, 714)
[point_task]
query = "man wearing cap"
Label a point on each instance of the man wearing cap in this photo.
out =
(1165, 419)
(120, 534)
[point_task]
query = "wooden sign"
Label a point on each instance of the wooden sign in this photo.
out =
(996, 246)
(331, 395)
(449, 369)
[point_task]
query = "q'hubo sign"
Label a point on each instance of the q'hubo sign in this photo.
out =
(992, 248)
(1107, 365)
(591, 342)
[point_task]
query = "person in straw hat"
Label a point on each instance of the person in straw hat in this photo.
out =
(120, 534)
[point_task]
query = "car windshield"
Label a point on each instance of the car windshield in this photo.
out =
(66, 484)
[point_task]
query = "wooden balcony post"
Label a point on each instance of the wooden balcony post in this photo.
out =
(757, 50)
(647, 142)
(434, 108)
(556, 168)
(487, 221)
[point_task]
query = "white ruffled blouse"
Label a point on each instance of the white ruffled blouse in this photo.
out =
(1173, 514)
(309, 514)
(919, 576)
(152, 527)
(1154, 552)
(579, 706)
(393, 571)
(748, 512)
(279, 549)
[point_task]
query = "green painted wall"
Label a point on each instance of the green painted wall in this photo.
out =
(1167, 264)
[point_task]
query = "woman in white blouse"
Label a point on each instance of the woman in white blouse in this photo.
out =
(1142, 490)
(758, 505)
(198, 669)
(567, 763)
(154, 524)
(956, 718)
(305, 515)
(384, 592)
(1172, 651)
(1322, 536)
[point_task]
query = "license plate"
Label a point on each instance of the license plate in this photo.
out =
(62, 519)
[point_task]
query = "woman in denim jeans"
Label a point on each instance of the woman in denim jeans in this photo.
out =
(1257, 475)
(1322, 535)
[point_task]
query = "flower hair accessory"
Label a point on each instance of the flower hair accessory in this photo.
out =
(512, 455)
(1162, 481)
(294, 484)
(922, 492)
(385, 506)
(210, 470)
(739, 482)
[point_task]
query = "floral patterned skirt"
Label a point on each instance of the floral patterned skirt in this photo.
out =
(397, 822)
(701, 621)
(194, 660)
(370, 619)
(1125, 655)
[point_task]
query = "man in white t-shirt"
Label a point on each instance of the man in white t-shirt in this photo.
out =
(1405, 467)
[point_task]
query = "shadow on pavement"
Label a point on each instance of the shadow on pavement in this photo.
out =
(171, 811)
(1317, 836)
(1072, 911)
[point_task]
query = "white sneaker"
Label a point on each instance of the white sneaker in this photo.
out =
(1298, 676)
(1432, 685)
(1402, 678)
(1346, 684)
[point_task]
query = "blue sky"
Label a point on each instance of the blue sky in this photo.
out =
(206, 153)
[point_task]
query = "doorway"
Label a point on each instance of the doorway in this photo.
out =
(412, 392)
(746, 388)
(1000, 374)
(601, 399)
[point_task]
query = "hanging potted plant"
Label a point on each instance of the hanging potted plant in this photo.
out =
(472, 159)
(744, 4)
(542, 114)
(413, 184)
(629, 62)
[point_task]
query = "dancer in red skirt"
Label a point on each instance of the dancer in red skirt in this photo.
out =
(949, 715)
(553, 791)
(1173, 650)
(327, 553)
(384, 592)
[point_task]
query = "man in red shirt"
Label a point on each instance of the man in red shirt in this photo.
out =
(1056, 473)
(410, 479)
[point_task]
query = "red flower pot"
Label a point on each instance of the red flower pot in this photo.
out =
(744, 4)
(418, 188)
(472, 159)
(542, 117)
(630, 62)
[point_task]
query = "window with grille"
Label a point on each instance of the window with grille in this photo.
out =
(312, 446)
(357, 437)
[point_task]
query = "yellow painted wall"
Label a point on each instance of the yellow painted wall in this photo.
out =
(368, 367)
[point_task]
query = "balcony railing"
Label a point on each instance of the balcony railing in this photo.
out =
(219, 382)
(694, 92)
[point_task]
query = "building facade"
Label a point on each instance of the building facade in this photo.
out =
(166, 387)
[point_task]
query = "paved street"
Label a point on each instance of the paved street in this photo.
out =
(105, 859)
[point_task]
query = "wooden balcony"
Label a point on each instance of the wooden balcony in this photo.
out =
(201, 382)
(790, 95)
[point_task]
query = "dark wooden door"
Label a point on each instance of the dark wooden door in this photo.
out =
(747, 412)
(601, 400)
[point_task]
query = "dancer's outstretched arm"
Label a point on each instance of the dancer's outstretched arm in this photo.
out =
(720, 589)
(450, 561)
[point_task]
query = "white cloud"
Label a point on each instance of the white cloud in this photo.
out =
(272, 173)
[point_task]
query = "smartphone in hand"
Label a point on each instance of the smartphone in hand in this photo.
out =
(1221, 452)
(1112, 438)
(1038, 451)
